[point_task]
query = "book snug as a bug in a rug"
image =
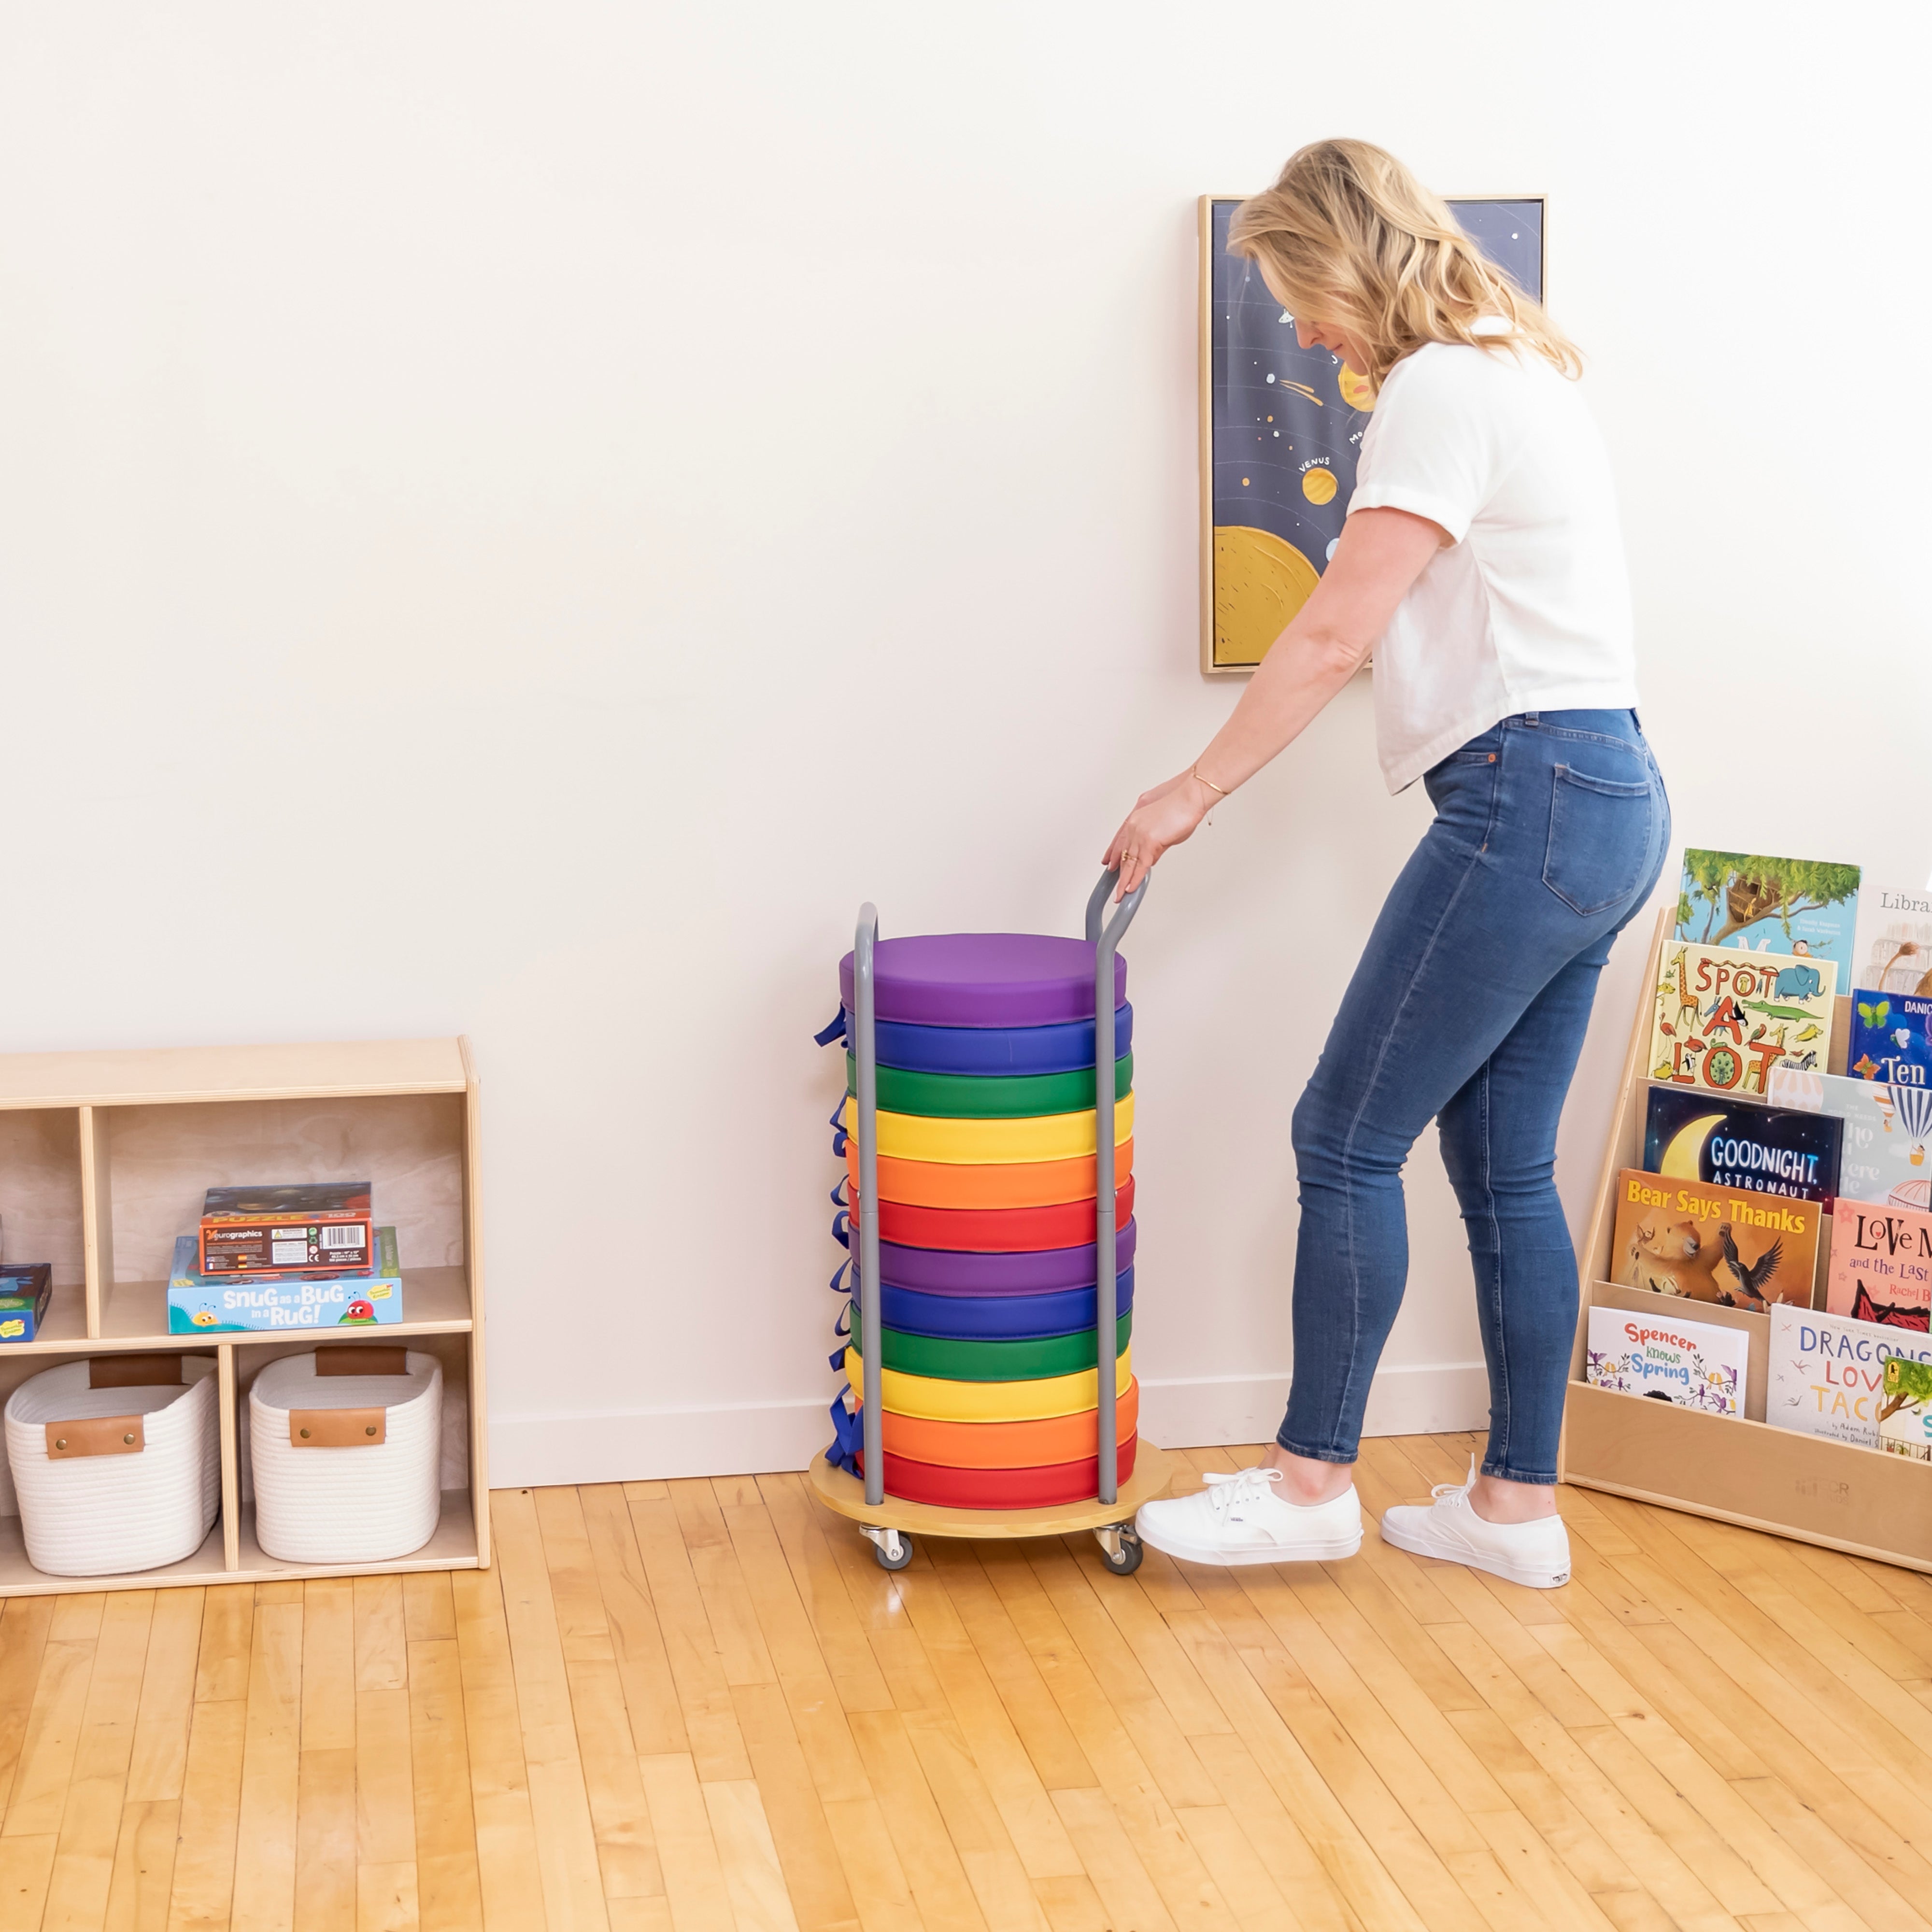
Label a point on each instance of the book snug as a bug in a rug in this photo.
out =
(1695, 1364)
(1705, 1243)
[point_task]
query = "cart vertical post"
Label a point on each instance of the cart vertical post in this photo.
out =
(865, 1052)
(1105, 934)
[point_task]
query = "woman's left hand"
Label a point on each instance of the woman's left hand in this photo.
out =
(1162, 817)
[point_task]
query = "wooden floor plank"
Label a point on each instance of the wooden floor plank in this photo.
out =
(266, 1832)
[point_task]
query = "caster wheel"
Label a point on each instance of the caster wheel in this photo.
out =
(1129, 1560)
(889, 1561)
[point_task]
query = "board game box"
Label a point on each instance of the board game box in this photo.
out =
(205, 1304)
(326, 1228)
(25, 1289)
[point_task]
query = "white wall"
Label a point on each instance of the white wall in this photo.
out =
(605, 489)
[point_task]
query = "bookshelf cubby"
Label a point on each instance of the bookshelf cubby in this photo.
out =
(104, 1158)
(1738, 1469)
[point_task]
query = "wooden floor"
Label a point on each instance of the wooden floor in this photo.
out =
(701, 1704)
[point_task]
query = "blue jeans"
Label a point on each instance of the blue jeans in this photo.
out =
(1469, 1007)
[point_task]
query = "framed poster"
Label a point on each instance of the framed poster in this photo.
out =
(1281, 429)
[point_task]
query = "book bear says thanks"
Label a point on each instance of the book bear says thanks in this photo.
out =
(1725, 1018)
(1711, 1244)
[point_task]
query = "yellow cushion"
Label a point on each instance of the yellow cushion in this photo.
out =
(1039, 1137)
(936, 1401)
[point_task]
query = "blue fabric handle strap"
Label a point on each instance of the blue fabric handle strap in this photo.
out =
(848, 1434)
(842, 1230)
(835, 1030)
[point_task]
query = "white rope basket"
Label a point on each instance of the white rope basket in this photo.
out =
(345, 1464)
(112, 1478)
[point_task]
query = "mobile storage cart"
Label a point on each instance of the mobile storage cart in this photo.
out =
(889, 1523)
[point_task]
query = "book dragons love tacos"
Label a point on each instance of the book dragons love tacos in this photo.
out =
(1725, 1018)
(1708, 1243)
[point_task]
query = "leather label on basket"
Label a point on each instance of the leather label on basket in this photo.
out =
(363, 1360)
(134, 1371)
(96, 1435)
(337, 1428)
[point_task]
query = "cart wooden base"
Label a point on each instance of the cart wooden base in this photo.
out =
(888, 1525)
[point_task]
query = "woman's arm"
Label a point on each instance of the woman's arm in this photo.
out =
(1381, 554)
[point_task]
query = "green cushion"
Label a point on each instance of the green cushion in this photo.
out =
(973, 1096)
(992, 1361)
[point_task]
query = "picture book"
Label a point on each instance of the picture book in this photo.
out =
(1790, 1151)
(1905, 1413)
(1826, 1373)
(1724, 1019)
(1893, 946)
(1762, 904)
(1711, 1244)
(1891, 1039)
(1880, 1268)
(1882, 1157)
(204, 1304)
(1695, 1364)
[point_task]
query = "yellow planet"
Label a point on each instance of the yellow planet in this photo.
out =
(1260, 583)
(1680, 1158)
(1357, 391)
(1318, 485)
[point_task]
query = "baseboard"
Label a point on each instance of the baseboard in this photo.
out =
(1421, 1398)
(634, 1445)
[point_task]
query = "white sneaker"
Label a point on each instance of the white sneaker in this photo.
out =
(1242, 1519)
(1536, 1554)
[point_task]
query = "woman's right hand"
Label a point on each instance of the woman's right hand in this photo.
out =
(1161, 818)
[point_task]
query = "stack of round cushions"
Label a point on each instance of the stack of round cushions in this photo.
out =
(986, 1129)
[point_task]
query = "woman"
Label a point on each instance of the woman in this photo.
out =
(1482, 563)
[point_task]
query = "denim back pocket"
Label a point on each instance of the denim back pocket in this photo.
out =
(1599, 838)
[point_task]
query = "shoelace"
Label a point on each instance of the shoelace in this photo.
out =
(1456, 1492)
(1244, 1486)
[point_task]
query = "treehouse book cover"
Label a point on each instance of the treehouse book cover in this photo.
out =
(1725, 1019)
(1881, 1266)
(1706, 1243)
(1885, 1154)
(1827, 1373)
(1762, 904)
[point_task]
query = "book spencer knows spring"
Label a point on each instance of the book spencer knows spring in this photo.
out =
(1706, 1243)
(1725, 1018)
(1695, 1364)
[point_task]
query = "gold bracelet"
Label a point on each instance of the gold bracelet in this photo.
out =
(1194, 772)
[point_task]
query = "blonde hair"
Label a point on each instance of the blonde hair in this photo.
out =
(1348, 237)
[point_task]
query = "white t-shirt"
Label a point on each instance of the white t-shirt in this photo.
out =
(1528, 608)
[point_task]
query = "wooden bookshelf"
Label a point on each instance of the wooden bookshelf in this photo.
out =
(104, 1158)
(1867, 1502)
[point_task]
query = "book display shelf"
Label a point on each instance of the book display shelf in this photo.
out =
(104, 1159)
(1738, 1469)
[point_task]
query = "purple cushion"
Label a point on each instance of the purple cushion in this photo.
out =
(1032, 1271)
(983, 979)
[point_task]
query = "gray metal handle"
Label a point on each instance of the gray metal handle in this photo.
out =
(865, 1052)
(1106, 939)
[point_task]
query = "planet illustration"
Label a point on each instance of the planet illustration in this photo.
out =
(1680, 1161)
(1260, 583)
(1318, 485)
(1357, 391)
